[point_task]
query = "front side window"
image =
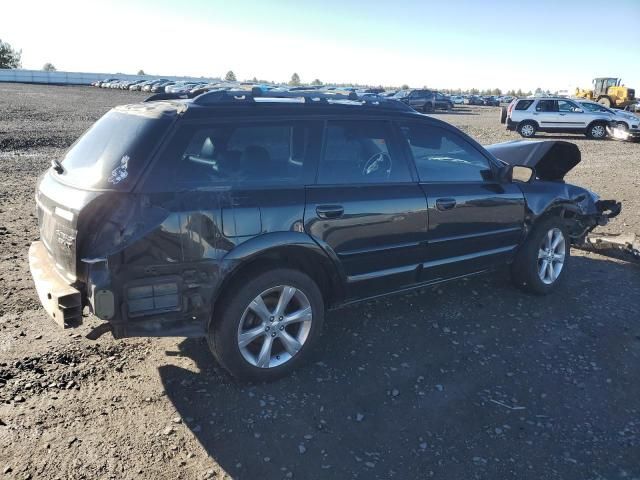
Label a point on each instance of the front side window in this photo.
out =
(238, 154)
(444, 156)
(357, 152)
(566, 106)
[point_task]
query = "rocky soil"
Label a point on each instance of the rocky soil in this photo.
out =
(472, 379)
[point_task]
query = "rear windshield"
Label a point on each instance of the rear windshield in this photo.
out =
(113, 152)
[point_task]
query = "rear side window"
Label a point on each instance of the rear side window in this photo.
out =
(444, 156)
(362, 151)
(523, 104)
(114, 151)
(238, 154)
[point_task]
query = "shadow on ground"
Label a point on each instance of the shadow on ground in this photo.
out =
(468, 380)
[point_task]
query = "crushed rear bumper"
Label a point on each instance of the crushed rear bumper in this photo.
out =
(61, 301)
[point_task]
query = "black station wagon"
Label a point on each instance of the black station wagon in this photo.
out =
(242, 216)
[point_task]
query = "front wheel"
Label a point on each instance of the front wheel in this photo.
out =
(597, 131)
(542, 260)
(267, 325)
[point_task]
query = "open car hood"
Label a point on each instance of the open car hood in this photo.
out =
(551, 159)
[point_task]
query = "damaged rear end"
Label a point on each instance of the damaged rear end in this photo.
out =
(547, 193)
(81, 203)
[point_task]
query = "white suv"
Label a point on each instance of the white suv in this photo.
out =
(554, 114)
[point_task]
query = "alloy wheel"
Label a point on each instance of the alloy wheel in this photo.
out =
(598, 131)
(275, 326)
(527, 130)
(551, 255)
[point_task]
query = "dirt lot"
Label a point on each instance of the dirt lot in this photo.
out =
(468, 380)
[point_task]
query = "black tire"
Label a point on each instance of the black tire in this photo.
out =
(527, 132)
(503, 115)
(597, 131)
(525, 270)
(223, 330)
(606, 101)
(428, 108)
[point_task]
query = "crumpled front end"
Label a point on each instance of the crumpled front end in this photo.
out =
(548, 193)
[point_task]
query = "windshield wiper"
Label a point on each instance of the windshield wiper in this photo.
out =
(57, 166)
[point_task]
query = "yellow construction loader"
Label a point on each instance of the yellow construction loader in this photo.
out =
(609, 92)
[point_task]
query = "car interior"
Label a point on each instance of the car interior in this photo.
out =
(244, 154)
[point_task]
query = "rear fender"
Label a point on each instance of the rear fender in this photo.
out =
(275, 246)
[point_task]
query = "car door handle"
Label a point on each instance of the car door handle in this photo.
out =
(445, 203)
(329, 211)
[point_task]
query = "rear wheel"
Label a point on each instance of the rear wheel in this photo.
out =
(542, 260)
(427, 108)
(527, 129)
(268, 324)
(597, 130)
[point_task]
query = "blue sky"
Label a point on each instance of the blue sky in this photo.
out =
(550, 44)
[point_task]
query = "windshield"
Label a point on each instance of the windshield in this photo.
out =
(595, 107)
(113, 152)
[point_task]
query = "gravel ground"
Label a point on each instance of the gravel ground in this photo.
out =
(473, 379)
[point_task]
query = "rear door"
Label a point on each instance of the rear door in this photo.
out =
(546, 114)
(366, 208)
(475, 222)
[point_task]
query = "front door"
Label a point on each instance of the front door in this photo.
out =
(475, 222)
(366, 210)
(570, 115)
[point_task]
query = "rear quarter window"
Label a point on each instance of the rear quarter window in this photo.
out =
(114, 151)
(523, 104)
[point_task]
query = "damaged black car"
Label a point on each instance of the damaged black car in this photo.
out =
(242, 216)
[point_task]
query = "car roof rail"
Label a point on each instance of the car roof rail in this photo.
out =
(310, 96)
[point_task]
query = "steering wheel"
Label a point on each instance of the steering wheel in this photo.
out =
(378, 162)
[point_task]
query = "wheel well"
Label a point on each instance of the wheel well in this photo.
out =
(602, 122)
(529, 121)
(296, 258)
(566, 212)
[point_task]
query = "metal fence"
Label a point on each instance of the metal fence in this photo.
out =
(72, 78)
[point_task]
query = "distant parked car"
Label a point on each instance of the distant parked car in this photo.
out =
(554, 114)
(181, 87)
(457, 99)
(160, 87)
(490, 101)
(443, 102)
(473, 100)
(424, 100)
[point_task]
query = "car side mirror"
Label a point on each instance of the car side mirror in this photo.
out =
(516, 173)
